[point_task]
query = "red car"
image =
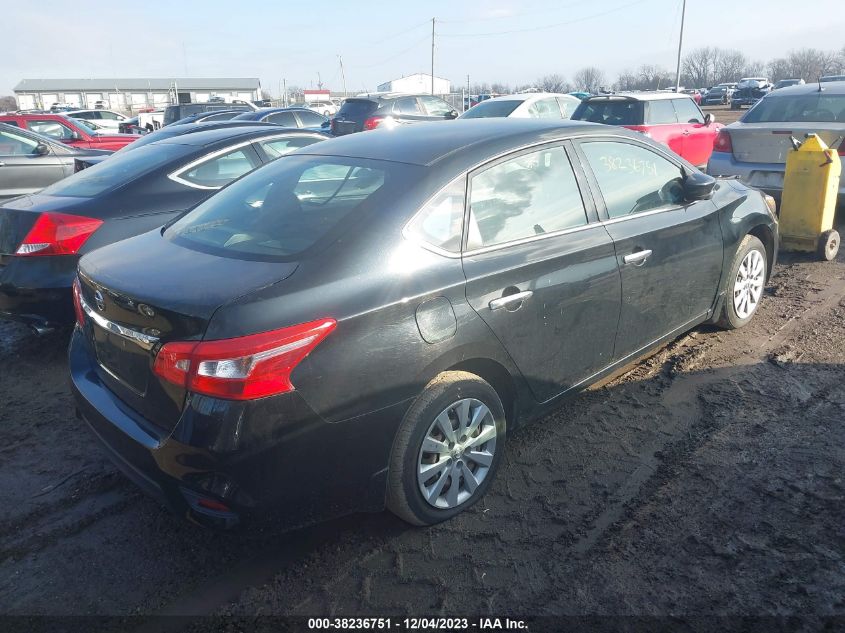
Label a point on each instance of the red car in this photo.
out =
(68, 131)
(674, 120)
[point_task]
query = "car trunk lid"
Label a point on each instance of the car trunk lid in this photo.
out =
(771, 142)
(134, 310)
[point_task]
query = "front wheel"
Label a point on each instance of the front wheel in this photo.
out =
(447, 450)
(745, 284)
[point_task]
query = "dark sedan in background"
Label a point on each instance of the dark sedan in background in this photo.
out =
(360, 114)
(362, 321)
(43, 235)
(287, 117)
(29, 161)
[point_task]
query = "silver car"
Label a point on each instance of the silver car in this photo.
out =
(755, 147)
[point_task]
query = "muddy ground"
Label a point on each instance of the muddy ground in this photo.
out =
(707, 480)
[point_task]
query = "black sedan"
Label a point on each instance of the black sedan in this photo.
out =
(43, 235)
(288, 117)
(30, 161)
(361, 322)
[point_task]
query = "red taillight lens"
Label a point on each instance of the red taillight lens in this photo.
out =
(373, 122)
(57, 234)
(841, 150)
(723, 142)
(243, 368)
(77, 303)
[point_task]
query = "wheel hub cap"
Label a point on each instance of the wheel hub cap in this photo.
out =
(748, 286)
(456, 453)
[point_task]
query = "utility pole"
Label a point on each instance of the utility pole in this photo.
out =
(432, 55)
(342, 75)
(680, 45)
(285, 93)
(319, 82)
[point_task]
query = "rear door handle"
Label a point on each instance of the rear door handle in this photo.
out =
(638, 258)
(503, 302)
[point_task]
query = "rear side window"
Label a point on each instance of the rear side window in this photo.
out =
(219, 170)
(687, 111)
(661, 111)
(610, 112)
(284, 208)
(435, 106)
(440, 222)
(525, 196)
(283, 118)
(280, 146)
(633, 179)
(544, 109)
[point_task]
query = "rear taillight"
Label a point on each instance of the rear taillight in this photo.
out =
(77, 302)
(723, 142)
(373, 122)
(57, 234)
(841, 150)
(243, 368)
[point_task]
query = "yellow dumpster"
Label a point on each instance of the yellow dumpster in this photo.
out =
(810, 185)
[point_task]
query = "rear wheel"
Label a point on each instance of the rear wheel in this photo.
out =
(447, 450)
(828, 245)
(745, 284)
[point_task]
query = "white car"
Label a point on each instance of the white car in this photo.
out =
(535, 105)
(326, 108)
(102, 119)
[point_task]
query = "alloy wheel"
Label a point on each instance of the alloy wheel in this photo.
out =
(748, 286)
(456, 454)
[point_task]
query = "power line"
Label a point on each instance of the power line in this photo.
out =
(511, 16)
(426, 38)
(546, 26)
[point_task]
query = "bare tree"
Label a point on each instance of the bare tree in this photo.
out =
(589, 79)
(653, 77)
(265, 94)
(699, 66)
(500, 88)
(626, 80)
(553, 83)
(8, 103)
(810, 63)
(730, 66)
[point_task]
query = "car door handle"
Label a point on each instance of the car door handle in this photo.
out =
(503, 302)
(2, 164)
(637, 258)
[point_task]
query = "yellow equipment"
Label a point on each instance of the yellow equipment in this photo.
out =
(810, 185)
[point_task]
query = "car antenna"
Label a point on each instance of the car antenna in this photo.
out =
(820, 84)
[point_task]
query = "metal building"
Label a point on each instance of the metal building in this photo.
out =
(126, 94)
(416, 83)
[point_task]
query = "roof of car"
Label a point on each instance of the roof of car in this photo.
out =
(427, 143)
(257, 114)
(207, 137)
(531, 96)
(829, 87)
(640, 96)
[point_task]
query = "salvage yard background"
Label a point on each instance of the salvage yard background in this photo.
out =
(708, 479)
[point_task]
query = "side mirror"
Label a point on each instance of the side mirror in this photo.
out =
(452, 115)
(42, 149)
(75, 136)
(698, 186)
(709, 118)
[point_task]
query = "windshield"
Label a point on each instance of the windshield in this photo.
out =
(492, 109)
(719, 89)
(115, 171)
(610, 112)
(815, 107)
(284, 208)
(83, 125)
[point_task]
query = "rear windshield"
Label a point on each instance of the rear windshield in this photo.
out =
(816, 107)
(610, 112)
(491, 109)
(284, 208)
(115, 171)
(357, 107)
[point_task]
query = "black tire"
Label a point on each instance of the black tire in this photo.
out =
(729, 319)
(828, 245)
(404, 497)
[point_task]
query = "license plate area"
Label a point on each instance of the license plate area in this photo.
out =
(122, 359)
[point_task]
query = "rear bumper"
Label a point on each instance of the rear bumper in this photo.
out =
(273, 457)
(767, 177)
(36, 290)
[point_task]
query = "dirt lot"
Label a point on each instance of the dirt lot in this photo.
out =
(708, 480)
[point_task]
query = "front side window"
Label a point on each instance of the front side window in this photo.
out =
(16, 145)
(53, 129)
(529, 195)
(687, 111)
(441, 221)
(544, 109)
(661, 111)
(110, 116)
(633, 179)
(220, 170)
(435, 106)
(284, 208)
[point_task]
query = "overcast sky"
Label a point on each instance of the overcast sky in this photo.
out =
(513, 41)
